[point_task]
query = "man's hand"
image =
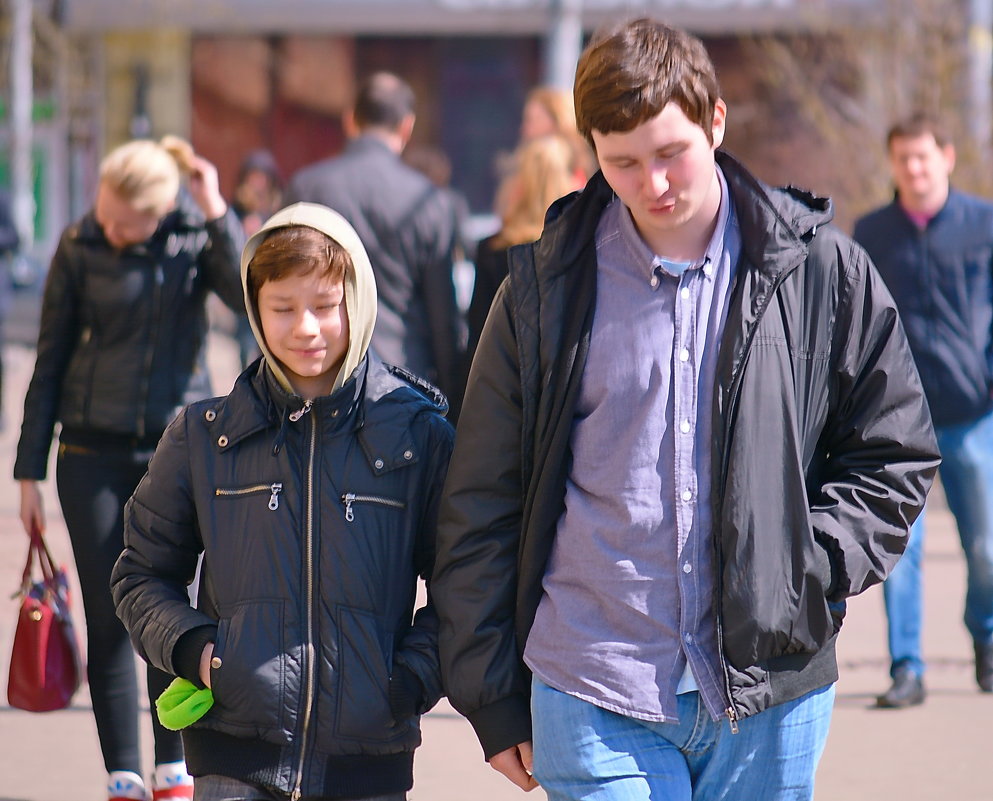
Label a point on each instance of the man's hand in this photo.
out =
(32, 508)
(516, 764)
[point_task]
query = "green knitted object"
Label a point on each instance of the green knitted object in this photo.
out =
(183, 703)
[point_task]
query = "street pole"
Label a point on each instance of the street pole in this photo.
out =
(21, 101)
(563, 43)
(980, 75)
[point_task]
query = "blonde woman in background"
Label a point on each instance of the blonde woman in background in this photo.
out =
(542, 171)
(120, 350)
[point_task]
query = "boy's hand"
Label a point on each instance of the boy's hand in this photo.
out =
(516, 764)
(205, 656)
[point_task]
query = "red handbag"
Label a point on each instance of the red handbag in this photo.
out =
(46, 666)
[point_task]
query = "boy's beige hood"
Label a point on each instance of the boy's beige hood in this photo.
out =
(360, 284)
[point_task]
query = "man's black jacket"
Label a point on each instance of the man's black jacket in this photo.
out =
(942, 281)
(823, 453)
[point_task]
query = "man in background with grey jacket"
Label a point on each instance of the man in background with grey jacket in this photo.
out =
(405, 223)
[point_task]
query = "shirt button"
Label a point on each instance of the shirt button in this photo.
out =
(685, 426)
(654, 281)
(687, 568)
(684, 293)
(684, 355)
(688, 638)
(687, 495)
(707, 269)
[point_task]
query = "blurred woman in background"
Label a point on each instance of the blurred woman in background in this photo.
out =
(120, 351)
(542, 170)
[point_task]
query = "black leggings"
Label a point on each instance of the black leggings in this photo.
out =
(94, 483)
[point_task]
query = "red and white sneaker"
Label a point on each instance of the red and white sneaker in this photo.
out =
(172, 782)
(126, 785)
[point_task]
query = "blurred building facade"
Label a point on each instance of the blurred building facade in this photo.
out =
(235, 75)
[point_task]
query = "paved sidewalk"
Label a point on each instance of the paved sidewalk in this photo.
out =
(939, 750)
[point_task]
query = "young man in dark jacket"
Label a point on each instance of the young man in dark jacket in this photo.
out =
(408, 226)
(933, 247)
(692, 429)
(312, 491)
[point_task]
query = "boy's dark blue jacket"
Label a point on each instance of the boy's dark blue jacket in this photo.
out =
(315, 522)
(941, 278)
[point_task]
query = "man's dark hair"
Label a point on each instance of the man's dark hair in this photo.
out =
(628, 74)
(920, 123)
(383, 101)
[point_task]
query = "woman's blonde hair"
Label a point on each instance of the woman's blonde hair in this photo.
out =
(146, 174)
(542, 172)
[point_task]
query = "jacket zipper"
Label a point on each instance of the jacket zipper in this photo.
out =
(309, 572)
(350, 497)
(274, 489)
(159, 281)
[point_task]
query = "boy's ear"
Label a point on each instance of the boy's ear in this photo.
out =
(720, 120)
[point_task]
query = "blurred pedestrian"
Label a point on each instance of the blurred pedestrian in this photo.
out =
(120, 350)
(312, 491)
(933, 245)
(257, 194)
(542, 172)
(9, 244)
(406, 225)
(692, 430)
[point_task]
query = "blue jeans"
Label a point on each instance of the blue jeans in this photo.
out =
(967, 477)
(584, 752)
(903, 598)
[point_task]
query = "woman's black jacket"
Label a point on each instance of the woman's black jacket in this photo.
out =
(823, 453)
(314, 523)
(121, 342)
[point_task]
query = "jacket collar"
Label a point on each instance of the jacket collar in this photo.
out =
(775, 224)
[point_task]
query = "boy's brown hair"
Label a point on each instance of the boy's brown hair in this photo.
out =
(628, 74)
(295, 250)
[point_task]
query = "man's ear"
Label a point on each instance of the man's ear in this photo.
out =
(949, 153)
(348, 124)
(405, 130)
(720, 119)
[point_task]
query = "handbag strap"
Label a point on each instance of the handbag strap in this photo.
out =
(49, 569)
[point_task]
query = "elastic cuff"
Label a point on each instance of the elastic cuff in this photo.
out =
(406, 693)
(186, 653)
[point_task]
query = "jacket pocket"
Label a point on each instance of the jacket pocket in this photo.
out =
(248, 671)
(354, 501)
(365, 663)
(272, 489)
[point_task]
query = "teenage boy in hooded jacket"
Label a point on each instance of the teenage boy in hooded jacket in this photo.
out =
(692, 429)
(312, 491)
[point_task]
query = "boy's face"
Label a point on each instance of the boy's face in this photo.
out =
(663, 171)
(921, 168)
(305, 325)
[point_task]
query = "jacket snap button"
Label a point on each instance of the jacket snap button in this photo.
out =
(334, 413)
(408, 455)
(222, 440)
(211, 415)
(380, 464)
(215, 662)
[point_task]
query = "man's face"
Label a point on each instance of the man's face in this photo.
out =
(305, 325)
(920, 170)
(663, 171)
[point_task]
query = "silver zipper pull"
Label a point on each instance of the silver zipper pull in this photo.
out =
(295, 416)
(349, 499)
(274, 498)
(733, 719)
